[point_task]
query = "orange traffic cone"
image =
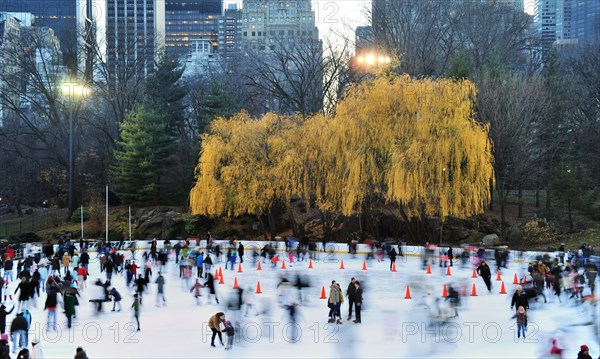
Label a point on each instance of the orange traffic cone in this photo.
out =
(310, 264)
(498, 277)
(515, 280)
(342, 265)
(240, 268)
(445, 292)
(393, 266)
(258, 267)
(407, 296)
(474, 291)
(502, 289)
(258, 291)
(217, 273)
(364, 265)
(428, 269)
(474, 273)
(221, 281)
(323, 294)
(235, 283)
(448, 273)
(283, 264)
(220, 272)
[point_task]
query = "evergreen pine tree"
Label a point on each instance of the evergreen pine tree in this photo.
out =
(145, 151)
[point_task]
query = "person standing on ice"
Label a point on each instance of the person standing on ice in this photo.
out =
(335, 301)
(484, 272)
(519, 299)
(136, 309)
(521, 322)
(584, 352)
(359, 299)
(351, 293)
(392, 254)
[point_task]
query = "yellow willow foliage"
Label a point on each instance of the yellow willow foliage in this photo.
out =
(410, 142)
(238, 167)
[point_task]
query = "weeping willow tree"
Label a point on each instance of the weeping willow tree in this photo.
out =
(413, 143)
(238, 172)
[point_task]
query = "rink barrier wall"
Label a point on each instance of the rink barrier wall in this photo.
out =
(330, 247)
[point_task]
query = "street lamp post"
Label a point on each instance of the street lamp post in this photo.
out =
(73, 90)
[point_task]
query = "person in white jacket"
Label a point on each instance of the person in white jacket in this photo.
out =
(36, 349)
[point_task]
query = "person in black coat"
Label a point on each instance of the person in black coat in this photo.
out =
(51, 304)
(392, 254)
(450, 255)
(241, 252)
(351, 294)
(84, 259)
(358, 298)
(484, 272)
(25, 293)
(210, 283)
(19, 328)
(140, 284)
(519, 299)
(584, 352)
(3, 314)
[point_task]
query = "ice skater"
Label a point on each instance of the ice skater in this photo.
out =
(521, 322)
(160, 291)
(136, 309)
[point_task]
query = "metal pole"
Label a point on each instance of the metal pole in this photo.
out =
(106, 214)
(130, 223)
(70, 153)
(81, 215)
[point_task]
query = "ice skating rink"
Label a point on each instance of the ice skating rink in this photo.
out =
(392, 326)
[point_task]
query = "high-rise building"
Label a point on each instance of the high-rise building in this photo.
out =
(585, 20)
(230, 33)
(568, 21)
(30, 62)
(91, 35)
(189, 20)
(59, 15)
(135, 33)
(269, 23)
(545, 18)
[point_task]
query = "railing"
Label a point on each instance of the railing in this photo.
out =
(34, 222)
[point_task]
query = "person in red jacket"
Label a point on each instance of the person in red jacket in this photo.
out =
(82, 275)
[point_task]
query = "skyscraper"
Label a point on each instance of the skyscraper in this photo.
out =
(189, 20)
(135, 31)
(268, 23)
(230, 33)
(59, 15)
(567, 21)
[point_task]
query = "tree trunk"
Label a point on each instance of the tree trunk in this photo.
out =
(414, 227)
(520, 201)
(548, 202)
(325, 224)
(441, 230)
(491, 195)
(262, 226)
(537, 198)
(272, 228)
(293, 222)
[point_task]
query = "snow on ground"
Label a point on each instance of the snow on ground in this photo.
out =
(392, 326)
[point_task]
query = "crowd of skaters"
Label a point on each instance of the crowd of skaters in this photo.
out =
(64, 275)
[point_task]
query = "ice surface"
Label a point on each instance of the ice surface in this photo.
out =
(392, 327)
